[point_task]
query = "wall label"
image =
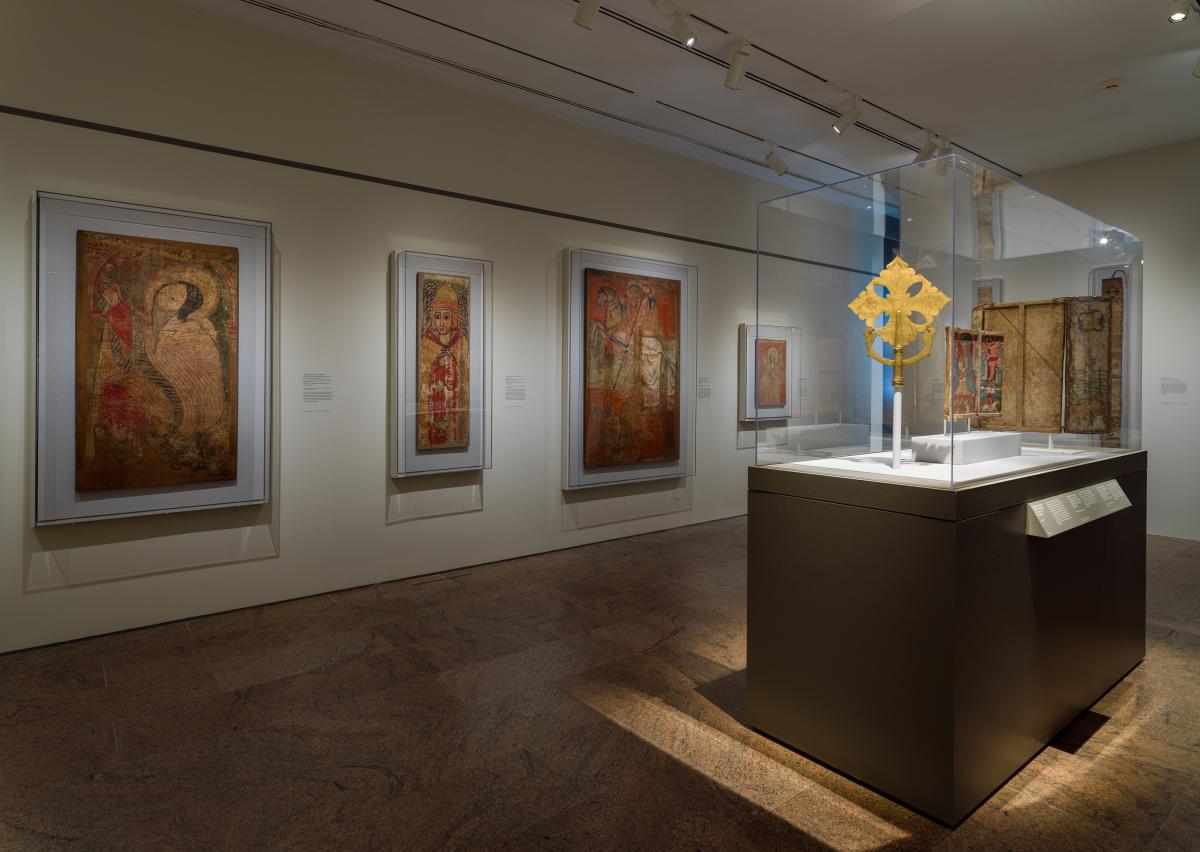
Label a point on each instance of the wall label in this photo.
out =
(317, 393)
(515, 392)
(1050, 516)
(704, 387)
(1174, 391)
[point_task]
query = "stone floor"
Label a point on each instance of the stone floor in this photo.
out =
(585, 699)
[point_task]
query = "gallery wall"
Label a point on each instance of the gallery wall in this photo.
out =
(335, 519)
(1152, 194)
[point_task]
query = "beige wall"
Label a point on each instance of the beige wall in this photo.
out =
(332, 520)
(1153, 194)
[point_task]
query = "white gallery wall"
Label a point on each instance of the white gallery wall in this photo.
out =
(1152, 194)
(335, 519)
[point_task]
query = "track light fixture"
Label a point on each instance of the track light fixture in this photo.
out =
(682, 30)
(737, 65)
(1179, 11)
(943, 164)
(927, 150)
(776, 162)
(585, 15)
(846, 120)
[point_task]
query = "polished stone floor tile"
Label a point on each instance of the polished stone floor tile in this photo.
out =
(592, 698)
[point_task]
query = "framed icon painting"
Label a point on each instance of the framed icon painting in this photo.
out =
(154, 360)
(630, 366)
(768, 371)
(440, 345)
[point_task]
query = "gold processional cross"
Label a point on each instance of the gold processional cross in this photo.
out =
(896, 279)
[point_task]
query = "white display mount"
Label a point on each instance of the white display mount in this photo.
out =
(966, 447)
(1050, 516)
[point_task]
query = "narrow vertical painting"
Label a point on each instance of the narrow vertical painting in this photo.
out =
(156, 354)
(962, 379)
(974, 373)
(631, 369)
(991, 373)
(1113, 288)
(444, 362)
(770, 372)
(1089, 363)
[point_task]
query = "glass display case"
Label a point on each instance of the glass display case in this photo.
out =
(953, 327)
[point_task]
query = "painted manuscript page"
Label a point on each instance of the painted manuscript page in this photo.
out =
(1114, 289)
(1089, 356)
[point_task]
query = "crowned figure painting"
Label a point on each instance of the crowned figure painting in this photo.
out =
(444, 362)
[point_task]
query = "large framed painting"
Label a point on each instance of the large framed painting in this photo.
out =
(154, 360)
(630, 332)
(768, 371)
(440, 346)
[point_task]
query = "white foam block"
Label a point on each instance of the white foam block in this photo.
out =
(968, 449)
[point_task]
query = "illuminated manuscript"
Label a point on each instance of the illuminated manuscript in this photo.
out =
(1114, 288)
(1064, 363)
(444, 362)
(156, 355)
(631, 369)
(974, 373)
(770, 364)
(1089, 350)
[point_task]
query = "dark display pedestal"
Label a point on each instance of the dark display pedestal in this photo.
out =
(919, 640)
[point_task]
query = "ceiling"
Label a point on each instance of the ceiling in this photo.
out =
(1015, 84)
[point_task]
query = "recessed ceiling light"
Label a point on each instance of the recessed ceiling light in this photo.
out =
(1104, 241)
(847, 119)
(585, 15)
(1111, 84)
(682, 30)
(1179, 11)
